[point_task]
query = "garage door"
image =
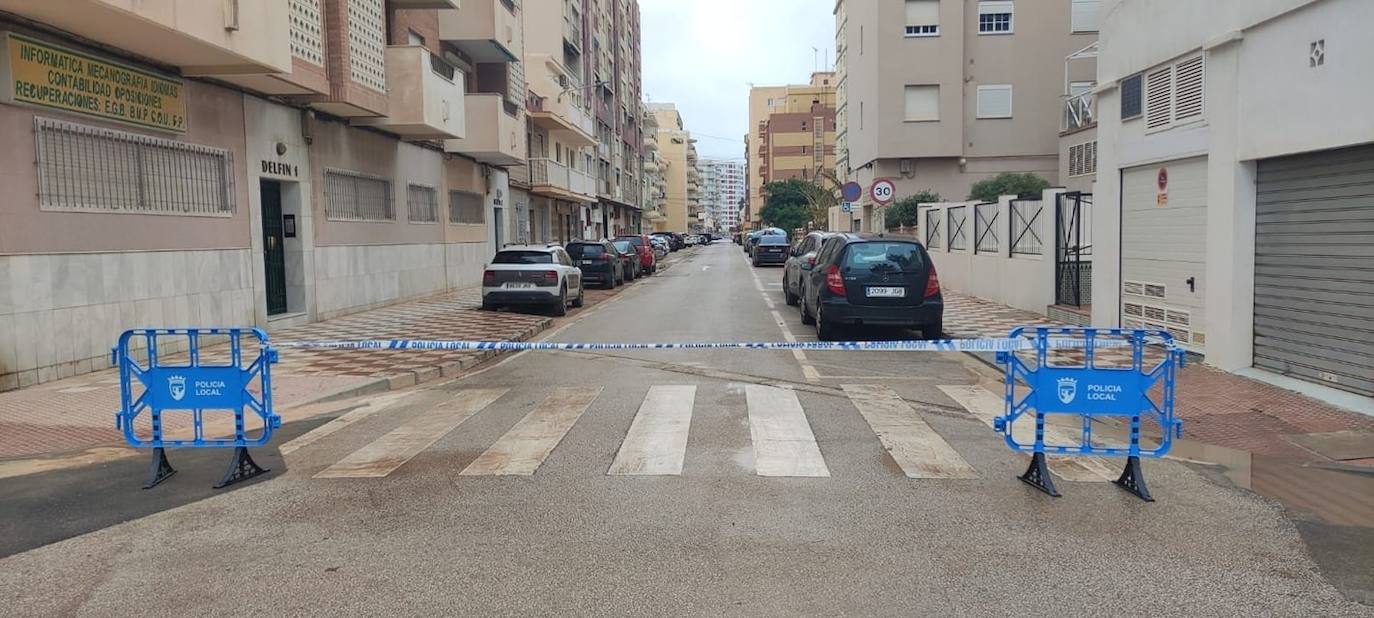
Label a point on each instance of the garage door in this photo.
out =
(1163, 245)
(1314, 267)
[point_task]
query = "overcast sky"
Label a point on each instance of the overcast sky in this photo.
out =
(703, 54)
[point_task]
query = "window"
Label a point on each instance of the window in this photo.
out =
(422, 204)
(350, 196)
(1174, 94)
(1078, 88)
(995, 17)
(922, 103)
(994, 101)
(1083, 159)
(1084, 15)
(91, 169)
(414, 38)
(922, 17)
(464, 207)
(1130, 97)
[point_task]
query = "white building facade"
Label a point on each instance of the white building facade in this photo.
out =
(722, 190)
(1235, 184)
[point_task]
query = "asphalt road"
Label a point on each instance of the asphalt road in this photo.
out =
(588, 484)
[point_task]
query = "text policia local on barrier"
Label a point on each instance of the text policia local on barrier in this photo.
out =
(946, 345)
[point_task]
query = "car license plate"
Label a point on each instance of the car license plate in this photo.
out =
(876, 292)
(520, 284)
(588, 262)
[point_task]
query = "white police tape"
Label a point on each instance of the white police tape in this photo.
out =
(942, 345)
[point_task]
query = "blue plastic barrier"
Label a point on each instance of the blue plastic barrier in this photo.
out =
(1092, 389)
(195, 385)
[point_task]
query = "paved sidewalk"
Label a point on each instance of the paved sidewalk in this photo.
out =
(1217, 407)
(78, 412)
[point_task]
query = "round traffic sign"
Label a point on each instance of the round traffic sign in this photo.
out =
(883, 191)
(851, 191)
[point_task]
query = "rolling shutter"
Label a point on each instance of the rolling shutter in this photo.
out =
(1314, 268)
(994, 101)
(1084, 15)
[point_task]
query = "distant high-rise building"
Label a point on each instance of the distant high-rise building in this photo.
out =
(722, 190)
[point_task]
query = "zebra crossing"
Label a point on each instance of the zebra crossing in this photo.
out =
(780, 434)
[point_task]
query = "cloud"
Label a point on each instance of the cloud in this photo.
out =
(703, 54)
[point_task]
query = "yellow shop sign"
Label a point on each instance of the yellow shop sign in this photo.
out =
(41, 73)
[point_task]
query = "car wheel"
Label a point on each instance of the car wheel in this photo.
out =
(825, 331)
(487, 306)
(787, 294)
(806, 318)
(560, 308)
(934, 331)
(581, 296)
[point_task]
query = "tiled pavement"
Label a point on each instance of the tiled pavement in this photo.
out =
(1217, 408)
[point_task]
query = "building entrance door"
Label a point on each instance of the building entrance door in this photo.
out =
(274, 247)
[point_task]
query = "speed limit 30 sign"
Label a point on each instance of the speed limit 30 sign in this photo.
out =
(883, 191)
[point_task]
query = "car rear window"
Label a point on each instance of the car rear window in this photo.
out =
(522, 257)
(634, 240)
(623, 246)
(880, 255)
(773, 240)
(579, 251)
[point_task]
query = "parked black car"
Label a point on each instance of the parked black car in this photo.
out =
(600, 261)
(754, 238)
(771, 250)
(803, 252)
(629, 258)
(872, 279)
(675, 240)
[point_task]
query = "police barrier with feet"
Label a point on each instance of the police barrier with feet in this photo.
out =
(1109, 374)
(192, 372)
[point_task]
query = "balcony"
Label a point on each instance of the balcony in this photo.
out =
(426, 4)
(486, 30)
(572, 32)
(202, 38)
(1080, 112)
(424, 101)
(550, 178)
(493, 136)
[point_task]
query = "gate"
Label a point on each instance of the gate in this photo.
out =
(1073, 249)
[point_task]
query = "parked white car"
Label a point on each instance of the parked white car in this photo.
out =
(532, 275)
(661, 247)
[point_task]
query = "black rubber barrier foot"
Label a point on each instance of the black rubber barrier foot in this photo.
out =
(160, 470)
(1038, 475)
(241, 468)
(1133, 480)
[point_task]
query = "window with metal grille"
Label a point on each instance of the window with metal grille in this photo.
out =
(995, 17)
(92, 169)
(422, 202)
(350, 196)
(1131, 91)
(464, 207)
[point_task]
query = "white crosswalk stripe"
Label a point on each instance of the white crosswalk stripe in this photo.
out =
(529, 442)
(917, 449)
(986, 406)
(394, 449)
(783, 442)
(657, 441)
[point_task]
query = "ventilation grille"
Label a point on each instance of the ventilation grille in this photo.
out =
(1180, 318)
(1133, 309)
(1083, 159)
(1154, 290)
(1188, 89)
(306, 41)
(1159, 98)
(1134, 288)
(366, 44)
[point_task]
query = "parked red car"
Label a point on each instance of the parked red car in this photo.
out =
(647, 262)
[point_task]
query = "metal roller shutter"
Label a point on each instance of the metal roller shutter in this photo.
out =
(1314, 267)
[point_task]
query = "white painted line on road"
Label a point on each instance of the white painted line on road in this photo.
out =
(987, 406)
(372, 406)
(783, 442)
(522, 449)
(391, 451)
(918, 450)
(657, 441)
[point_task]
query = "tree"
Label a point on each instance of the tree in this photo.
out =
(903, 212)
(788, 206)
(1007, 183)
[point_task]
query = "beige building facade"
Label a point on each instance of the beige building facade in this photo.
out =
(792, 133)
(939, 94)
(677, 156)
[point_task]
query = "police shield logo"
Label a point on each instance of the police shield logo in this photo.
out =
(176, 386)
(1068, 390)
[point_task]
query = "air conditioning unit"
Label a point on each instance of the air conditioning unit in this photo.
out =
(906, 167)
(562, 81)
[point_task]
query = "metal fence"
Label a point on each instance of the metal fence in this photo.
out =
(1073, 249)
(933, 229)
(958, 216)
(89, 168)
(350, 196)
(985, 239)
(1025, 232)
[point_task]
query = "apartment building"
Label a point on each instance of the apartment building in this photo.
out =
(654, 185)
(181, 164)
(1234, 173)
(939, 94)
(678, 167)
(792, 135)
(614, 37)
(722, 192)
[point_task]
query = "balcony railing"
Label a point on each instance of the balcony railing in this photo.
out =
(572, 31)
(1080, 111)
(550, 173)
